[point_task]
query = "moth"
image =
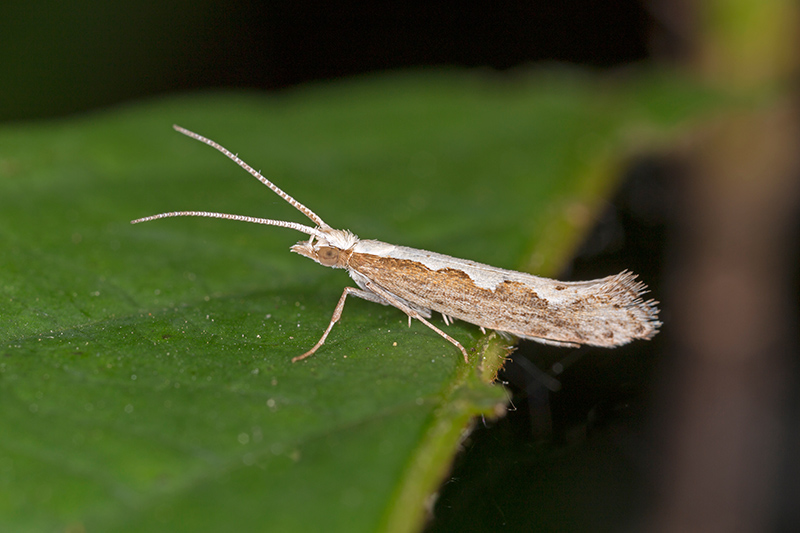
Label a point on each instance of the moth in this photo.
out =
(605, 312)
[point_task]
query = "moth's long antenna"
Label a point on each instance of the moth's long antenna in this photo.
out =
(242, 218)
(256, 174)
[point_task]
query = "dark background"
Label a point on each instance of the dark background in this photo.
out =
(65, 58)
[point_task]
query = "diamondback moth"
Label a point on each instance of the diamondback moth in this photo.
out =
(605, 312)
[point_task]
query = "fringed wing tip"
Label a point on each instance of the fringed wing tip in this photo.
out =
(625, 290)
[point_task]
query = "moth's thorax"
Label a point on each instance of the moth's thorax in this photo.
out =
(372, 247)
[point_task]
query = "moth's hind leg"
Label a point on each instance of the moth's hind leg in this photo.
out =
(413, 313)
(445, 335)
(337, 314)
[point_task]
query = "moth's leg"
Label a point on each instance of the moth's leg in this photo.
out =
(337, 314)
(396, 302)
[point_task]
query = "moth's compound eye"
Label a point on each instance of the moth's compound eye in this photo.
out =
(328, 256)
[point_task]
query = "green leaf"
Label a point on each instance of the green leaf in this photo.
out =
(145, 374)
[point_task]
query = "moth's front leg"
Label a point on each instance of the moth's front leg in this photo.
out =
(337, 314)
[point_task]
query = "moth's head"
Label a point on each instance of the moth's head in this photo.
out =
(331, 249)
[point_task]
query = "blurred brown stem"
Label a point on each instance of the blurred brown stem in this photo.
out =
(731, 303)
